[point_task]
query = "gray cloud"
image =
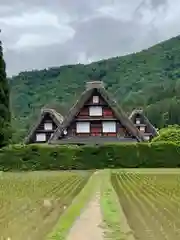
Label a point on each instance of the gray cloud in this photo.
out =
(157, 3)
(41, 33)
(110, 37)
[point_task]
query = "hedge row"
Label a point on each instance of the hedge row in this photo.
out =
(46, 157)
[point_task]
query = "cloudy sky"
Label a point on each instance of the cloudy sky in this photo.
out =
(43, 33)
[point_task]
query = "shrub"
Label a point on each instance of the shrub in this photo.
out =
(168, 134)
(48, 157)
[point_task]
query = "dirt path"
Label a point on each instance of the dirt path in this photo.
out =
(87, 226)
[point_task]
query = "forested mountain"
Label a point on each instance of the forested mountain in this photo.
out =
(149, 79)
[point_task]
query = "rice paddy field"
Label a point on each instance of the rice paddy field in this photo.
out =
(151, 202)
(31, 203)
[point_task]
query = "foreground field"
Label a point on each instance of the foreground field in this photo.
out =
(37, 205)
(150, 200)
(31, 203)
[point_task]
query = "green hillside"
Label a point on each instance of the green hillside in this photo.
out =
(148, 79)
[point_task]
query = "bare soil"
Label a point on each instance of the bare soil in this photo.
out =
(88, 225)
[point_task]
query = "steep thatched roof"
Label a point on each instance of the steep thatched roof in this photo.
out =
(112, 103)
(56, 117)
(139, 112)
(59, 108)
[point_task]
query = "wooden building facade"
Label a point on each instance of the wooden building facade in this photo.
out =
(143, 124)
(49, 120)
(96, 118)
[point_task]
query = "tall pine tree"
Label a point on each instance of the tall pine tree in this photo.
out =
(5, 116)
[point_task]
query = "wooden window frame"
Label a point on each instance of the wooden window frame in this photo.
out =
(44, 140)
(95, 115)
(48, 129)
(104, 122)
(95, 98)
(79, 132)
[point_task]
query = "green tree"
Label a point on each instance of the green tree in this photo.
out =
(170, 133)
(5, 117)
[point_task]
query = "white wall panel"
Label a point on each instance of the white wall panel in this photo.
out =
(95, 99)
(109, 127)
(138, 121)
(142, 129)
(83, 127)
(48, 126)
(95, 111)
(41, 137)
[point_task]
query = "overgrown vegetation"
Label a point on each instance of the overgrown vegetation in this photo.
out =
(5, 132)
(149, 79)
(39, 157)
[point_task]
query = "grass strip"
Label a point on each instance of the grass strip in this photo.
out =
(114, 221)
(67, 219)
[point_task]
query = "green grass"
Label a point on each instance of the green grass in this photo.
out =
(114, 222)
